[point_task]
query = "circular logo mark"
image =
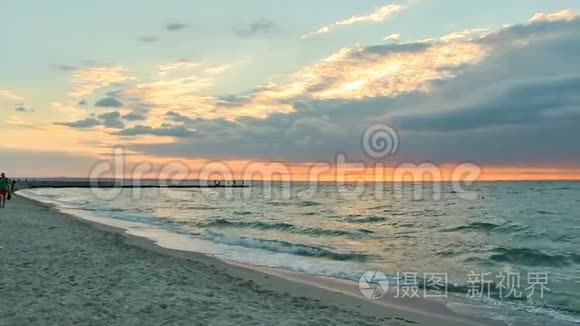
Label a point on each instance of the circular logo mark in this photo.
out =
(373, 285)
(380, 140)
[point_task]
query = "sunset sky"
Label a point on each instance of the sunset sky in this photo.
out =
(493, 83)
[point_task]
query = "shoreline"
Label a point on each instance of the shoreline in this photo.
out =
(344, 294)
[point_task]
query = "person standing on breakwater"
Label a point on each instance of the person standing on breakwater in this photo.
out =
(4, 189)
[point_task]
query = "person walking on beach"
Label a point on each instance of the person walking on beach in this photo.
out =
(4, 189)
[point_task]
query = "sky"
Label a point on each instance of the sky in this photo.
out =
(490, 83)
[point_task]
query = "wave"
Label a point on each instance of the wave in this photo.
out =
(427, 213)
(485, 226)
(543, 212)
(280, 226)
(368, 219)
(201, 207)
(384, 207)
(564, 188)
(283, 247)
(101, 209)
(476, 226)
(532, 257)
(308, 203)
(244, 213)
(279, 203)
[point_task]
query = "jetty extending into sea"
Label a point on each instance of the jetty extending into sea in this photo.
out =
(54, 183)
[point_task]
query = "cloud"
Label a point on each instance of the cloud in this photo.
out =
(524, 102)
(82, 124)
(67, 67)
(216, 70)
(134, 116)
(114, 124)
(564, 15)
(23, 108)
(176, 117)
(169, 131)
(148, 39)
(233, 101)
(508, 97)
(183, 87)
(110, 115)
(82, 103)
(10, 95)
(88, 80)
(384, 70)
(179, 94)
(109, 102)
(351, 73)
(180, 67)
(173, 27)
(392, 37)
(255, 28)
(378, 15)
(466, 35)
(112, 120)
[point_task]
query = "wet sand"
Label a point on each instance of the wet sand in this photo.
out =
(57, 269)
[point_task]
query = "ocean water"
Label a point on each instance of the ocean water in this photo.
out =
(522, 228)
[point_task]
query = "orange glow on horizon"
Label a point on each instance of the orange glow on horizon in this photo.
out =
(303, 172)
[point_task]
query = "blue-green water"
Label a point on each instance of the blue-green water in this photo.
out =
(508, 227)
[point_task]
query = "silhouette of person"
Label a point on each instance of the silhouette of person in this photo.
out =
(4, 189)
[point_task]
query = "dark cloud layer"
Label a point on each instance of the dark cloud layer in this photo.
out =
(109, 102)
(134, 116)
(543, 101)
(81, 124)
(112, 120)
(166, 130)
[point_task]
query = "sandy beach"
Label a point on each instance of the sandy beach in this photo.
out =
(60, 270)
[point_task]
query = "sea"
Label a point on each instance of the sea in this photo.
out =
(505, 250)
